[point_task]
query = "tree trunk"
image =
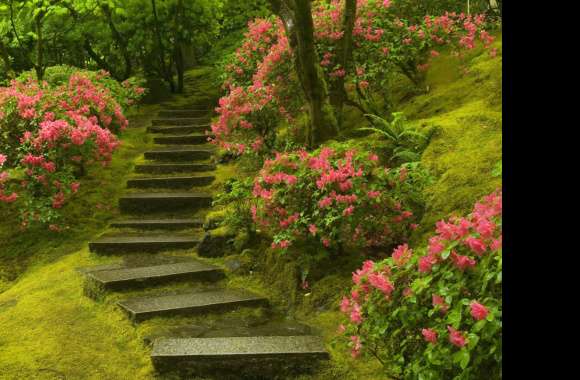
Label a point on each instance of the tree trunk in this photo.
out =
(100, 61)
(337, 91)
(6, 60)
(297, 17)
(120, 40)
(167, 74)
(39, 66)
(178, 48)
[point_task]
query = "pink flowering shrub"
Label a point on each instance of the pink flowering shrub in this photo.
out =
(336, 198)
(434, 313)
(259, 78)
(51, 133)
(259, 91)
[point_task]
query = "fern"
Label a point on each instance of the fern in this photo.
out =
(408, 143)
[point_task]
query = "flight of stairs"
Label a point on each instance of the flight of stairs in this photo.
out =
(163, 212)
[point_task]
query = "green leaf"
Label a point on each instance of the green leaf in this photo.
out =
(462, 357)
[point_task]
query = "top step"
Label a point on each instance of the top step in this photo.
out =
(181, 121)
(184, 113)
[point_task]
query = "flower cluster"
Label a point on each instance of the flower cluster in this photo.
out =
(51, 132)
(440, 311)
(334, 197)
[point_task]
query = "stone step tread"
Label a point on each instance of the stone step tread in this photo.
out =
(136, 223)
(174, 167)
(165, 195)
(172, 181)
(188, 301)
(183, 148)
(114, 276)
(239, 347)
(143, 239)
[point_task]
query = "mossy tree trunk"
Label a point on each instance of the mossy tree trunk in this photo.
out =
(338, 94)
(39, 65)
(297, 18)
(165, 69)
(178, 47)
(119, 40)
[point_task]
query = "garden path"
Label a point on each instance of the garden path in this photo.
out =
(164, 206)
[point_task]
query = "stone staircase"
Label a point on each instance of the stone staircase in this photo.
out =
(163, 212)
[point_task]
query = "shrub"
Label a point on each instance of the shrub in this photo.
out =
(258, 77)
(50, 133)
(434, 313)
(336, 198)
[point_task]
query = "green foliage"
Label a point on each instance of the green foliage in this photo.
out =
(236, 196)
(435, 313)
(407, 142)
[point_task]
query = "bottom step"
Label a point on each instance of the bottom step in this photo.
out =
(233, 354)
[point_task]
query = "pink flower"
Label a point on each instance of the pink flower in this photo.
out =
(434, 53)
(75, 187)
(462, 262)
(2, 159)
(386, 51)
(402, 254)
(364, 84)
(439, 301)
(386, 3)
(426, 263)
(378, 281)
(435, 245)
(326, 242)
(313, 229)
(429, 335)
(456, 337)
(476, 245)
(341, 328)
(345, 305)
(355, 314)
(496, 244)
(407, 292)
(348, 211)
(478, 311)
(355, 352)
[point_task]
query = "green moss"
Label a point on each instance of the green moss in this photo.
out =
(465, 110)
(51, 328)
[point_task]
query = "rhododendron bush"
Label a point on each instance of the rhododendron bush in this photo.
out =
(50, 134)
(434, 313)
(336, 198)
(261, 83)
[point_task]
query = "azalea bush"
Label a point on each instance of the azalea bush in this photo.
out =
(260, 92)
(50, 134)
(260, 80)
(434, 313)
(335, 198)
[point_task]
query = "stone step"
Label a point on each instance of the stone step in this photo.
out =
(153, 202)
(143, 243)
(179, 153)
(140, 309)
(170, 182)
(181, 139)
(181, 121)
(158, 223)
(185, 113)
(179, 129)
(239, 354)
(120, 278)
(173, 168)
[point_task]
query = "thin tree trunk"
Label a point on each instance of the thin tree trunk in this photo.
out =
(178, 48)
(6, 60)
(97, 58)
(39, 66)
(337, 91)
(120, 40)
(168, 76)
